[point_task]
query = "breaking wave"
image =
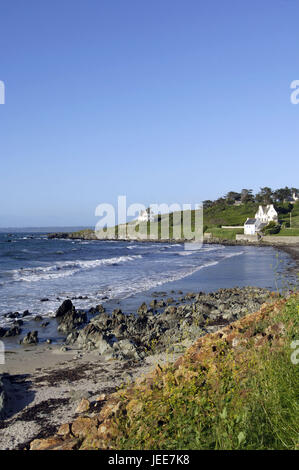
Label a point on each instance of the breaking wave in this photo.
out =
(66, 268)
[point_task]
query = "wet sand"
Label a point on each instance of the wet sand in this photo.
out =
(46, 386)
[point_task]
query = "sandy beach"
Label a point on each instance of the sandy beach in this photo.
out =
(46, 386)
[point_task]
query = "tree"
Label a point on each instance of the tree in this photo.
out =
(282, 194)
(207, 203)
(247, 196)
(265, 196)
(271, 228)
(232, 196)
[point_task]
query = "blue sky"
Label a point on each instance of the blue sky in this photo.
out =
(162, 100)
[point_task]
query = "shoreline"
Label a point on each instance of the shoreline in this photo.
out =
(276, 241)
(47, 383)
(271, 271)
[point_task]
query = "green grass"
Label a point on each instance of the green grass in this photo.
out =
(288, 232)
(246, 400)
(216, 216)
(225, 234)
(83, 233)
(285, 217)
(224, 214)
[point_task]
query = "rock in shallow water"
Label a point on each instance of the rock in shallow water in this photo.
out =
(31, 338)
(68, 318)
(131, 336)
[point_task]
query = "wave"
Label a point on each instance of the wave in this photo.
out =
(66, 268)
(151, 282)
(184, 253)
(124, 290)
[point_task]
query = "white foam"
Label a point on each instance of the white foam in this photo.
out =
(66, 268)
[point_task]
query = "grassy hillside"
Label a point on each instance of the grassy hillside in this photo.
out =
(214, 218)
(224, 214)
(234, 390)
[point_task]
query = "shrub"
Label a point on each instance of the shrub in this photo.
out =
(271, 228)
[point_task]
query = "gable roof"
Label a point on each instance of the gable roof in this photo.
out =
(250, 222)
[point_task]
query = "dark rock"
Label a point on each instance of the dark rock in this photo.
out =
(142, 309)
(100, 309)
(153, 303)
(91, 337)
(68, 318)
(13, 331)
(2, 332)
(12, 315)
(116, 312)
(45, 299)
(4, 385)
(70, 321)
(38, 318)
(119, 330)
(25, 313)
(64, 308)
(170, 310)
(31, 338)
(125, 349)
(190, 295)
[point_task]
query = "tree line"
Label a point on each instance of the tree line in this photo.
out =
(265, 196)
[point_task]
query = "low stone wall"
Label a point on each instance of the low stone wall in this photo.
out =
(247, 238)
(281, 240)
(232, 226)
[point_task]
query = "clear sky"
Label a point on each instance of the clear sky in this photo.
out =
(161, 100)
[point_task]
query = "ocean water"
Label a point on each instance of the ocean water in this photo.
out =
(34, 268)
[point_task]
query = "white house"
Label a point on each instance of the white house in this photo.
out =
(267, 214)
(251, 227)
(264, 215)
(146, 216)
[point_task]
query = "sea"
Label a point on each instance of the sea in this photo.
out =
(38, 274)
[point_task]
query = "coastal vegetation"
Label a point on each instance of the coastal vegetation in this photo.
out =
(226, 393)
(231, 211)
(222, 395)
(236, 388)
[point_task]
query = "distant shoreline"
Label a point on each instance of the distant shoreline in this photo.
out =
(275, 240)
(46, 230)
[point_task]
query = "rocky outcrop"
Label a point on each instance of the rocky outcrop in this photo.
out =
(100, 430)
(69, 318)
(13, 331)
(161, 326)
(30, 338)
